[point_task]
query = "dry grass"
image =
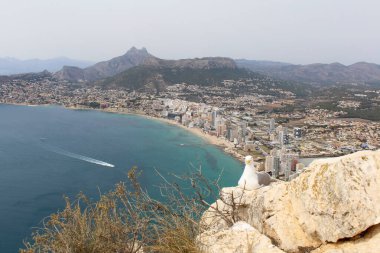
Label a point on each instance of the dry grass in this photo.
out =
(130, 221)
(122, 220)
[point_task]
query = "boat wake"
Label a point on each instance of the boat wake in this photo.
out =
(79, 157)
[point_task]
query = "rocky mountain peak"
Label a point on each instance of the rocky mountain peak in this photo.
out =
(133, 57)
(136, 56)
(136, 51)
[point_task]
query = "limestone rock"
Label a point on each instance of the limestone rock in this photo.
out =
(340, 197)
(369, 243)
(272, 213)
(333, 199)
(240, 238)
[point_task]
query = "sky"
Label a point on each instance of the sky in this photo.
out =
(294, 31)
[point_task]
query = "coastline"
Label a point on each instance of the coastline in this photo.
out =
(225, 145)
(220, 143)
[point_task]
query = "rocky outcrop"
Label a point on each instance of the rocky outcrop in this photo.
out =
(240, 238)
(133, 57)
(334, 199)
(369, 242)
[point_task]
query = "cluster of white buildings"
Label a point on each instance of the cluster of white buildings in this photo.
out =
(283, 164)
(210, 119)
(280, 163)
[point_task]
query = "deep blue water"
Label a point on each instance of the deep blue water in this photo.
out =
(39, 162)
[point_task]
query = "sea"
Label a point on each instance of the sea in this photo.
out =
(47, 152)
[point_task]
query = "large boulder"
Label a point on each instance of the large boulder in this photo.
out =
(338, 198)
(333, 199)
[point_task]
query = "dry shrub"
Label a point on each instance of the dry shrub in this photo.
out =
(123, 220)
(128, 220)
(115, 223)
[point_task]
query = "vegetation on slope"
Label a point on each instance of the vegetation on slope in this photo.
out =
(138, 77)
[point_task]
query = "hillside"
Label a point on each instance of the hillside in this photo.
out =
(138, 69)
(104, 69)
(361, 72)
(158, 73)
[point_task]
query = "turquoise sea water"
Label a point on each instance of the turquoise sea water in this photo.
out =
(47, 152)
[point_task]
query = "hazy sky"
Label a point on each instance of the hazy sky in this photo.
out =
(296, 31)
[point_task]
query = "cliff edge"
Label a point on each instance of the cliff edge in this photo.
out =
(334, 206)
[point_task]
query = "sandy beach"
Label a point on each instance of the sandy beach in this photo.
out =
(225, 145)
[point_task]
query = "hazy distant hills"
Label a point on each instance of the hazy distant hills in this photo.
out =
(361, 72)
(105, 69)
(10, 66)
(138, 69)
(31, 76)
(260, 66)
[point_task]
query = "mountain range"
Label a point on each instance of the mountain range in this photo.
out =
(157, 73)
(318, 73)
(11, 66)
(137, 68)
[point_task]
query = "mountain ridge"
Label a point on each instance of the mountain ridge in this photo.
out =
(319, 73)
(138, 67)
(158, 77)
(104, 69)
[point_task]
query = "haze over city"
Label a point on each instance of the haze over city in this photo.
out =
(292, 31)
(200, 126)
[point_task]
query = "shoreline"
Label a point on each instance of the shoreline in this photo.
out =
(226, 146)
(223, 144)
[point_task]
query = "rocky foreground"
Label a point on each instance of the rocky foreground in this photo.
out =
(333, 207)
